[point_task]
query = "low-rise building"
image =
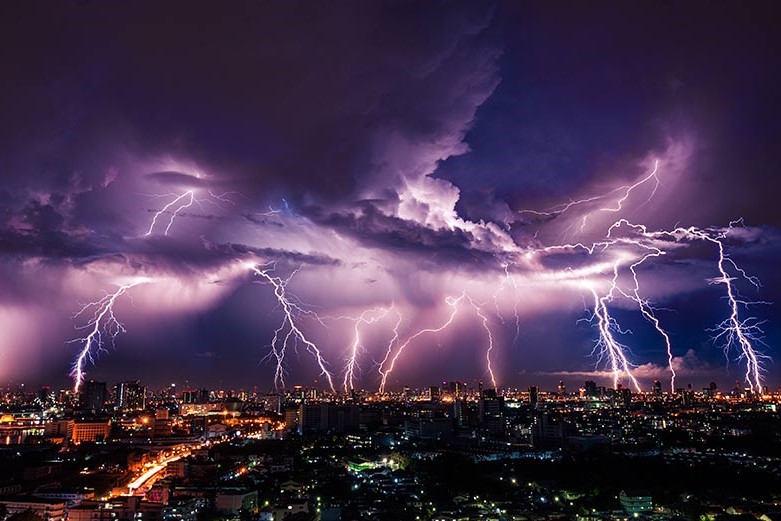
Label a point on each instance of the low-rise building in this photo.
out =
(230, 502)
(45, 508)
(90, 431)
(636, 502)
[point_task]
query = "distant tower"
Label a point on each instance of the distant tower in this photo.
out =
(94, 395)
(131, 396)
(657, 388)
(533, 396)
(562, 388)
(491, 412)
(459, 412)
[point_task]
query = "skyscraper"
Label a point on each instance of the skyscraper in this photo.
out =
(591, 389)
(131, 396)
(93, 396)
(459, 412)
(492, 412)
(456, 389)
(534, 395)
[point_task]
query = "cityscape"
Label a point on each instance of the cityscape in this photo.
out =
(390, 260)
(449, 451)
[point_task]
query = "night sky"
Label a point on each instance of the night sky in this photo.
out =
(390, 163)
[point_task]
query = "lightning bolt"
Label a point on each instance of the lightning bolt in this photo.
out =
(368, 317)
(509, 280)
(624, 192)
(620, 259)
(289, 332)
(648, 312)
(393, 341)
(487, 327)
(179, 203)
(628, 189)
(453, 304)
(607, 345)
(388, 365)
(734, 331)
(102, 327)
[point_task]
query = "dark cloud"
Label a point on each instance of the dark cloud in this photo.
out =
(295, 258)
(433, 247)
(176, 179)
(587, 90)
(362, 139)
(289, 100)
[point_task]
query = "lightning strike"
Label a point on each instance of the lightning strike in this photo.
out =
(509, 280)
(393, 341)
(734, 331)
(102, 327)
(616, 206)
(368, 317)
(387, 367)
(648, 313)
(620, 258)
(178, 204)
(288, 333)
(607, 346)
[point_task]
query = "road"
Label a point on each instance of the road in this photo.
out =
(151, 473)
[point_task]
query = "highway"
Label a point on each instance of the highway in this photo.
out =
(151, 473)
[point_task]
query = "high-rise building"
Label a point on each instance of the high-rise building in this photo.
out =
(131, 396)
(491, 411)
(456, 389)
(534, 395)
(622, 396)
(657, 388)
(549, 431)
(189, 396)
(687, 396)
(93, 396)
(433, 393)
(46, 397)
(81, 431)
(321, 417)
(591, 389)
(459, 412)
(635, 503)
(291, 418)
(562, 388)
(272, 402)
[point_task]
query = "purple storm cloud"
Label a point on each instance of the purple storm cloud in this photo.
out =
(302, 193)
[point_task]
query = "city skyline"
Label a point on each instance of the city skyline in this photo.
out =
(370, 195)
(571, 385)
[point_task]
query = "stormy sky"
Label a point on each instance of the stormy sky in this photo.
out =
(387, 166)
